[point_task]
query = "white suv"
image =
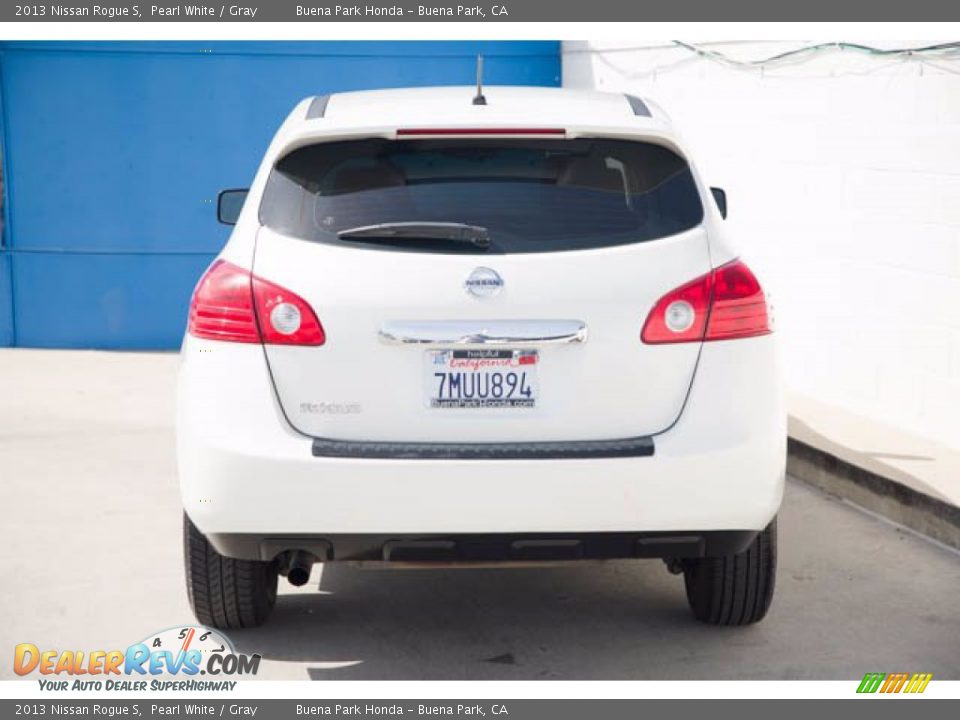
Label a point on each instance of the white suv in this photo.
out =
(450, 330)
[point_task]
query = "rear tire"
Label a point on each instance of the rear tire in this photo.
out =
(734, 589)
(224, 592)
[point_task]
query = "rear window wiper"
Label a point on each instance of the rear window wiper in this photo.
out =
(443, 231)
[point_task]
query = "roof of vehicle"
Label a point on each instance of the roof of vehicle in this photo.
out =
(380, 111)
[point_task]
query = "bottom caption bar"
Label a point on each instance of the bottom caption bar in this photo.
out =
(595, 709)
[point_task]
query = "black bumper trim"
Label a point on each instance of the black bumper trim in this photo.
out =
(580, 449)
(478, 547)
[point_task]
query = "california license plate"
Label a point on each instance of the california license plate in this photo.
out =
(482, 378)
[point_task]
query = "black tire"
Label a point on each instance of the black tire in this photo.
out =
(734, 589)
(224, 592)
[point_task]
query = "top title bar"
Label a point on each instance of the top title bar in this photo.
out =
(483, 11)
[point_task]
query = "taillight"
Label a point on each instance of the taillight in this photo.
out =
(285, 318)
(739, 308)
(681, 314)
(724, 304)
(232, 305)
(222, 305)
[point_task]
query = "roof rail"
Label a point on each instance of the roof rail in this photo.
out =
(318, 107)
(639, 106)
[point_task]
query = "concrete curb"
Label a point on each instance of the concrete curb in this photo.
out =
(927, 515)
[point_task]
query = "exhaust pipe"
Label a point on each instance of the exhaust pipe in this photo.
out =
(296, 567)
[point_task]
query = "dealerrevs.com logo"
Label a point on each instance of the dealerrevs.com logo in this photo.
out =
(172, 659)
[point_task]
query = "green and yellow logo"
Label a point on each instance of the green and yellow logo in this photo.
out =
(894, 682)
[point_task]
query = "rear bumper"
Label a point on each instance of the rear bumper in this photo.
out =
(245, 472)
(579, 450)
(477, 548)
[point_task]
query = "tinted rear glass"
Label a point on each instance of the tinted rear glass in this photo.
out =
(531, 195)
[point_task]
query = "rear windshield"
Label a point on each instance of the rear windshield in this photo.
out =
(529, 195)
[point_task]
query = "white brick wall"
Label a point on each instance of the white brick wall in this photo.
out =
(843, 178)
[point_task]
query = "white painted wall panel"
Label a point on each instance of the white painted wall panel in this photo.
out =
(843, 178)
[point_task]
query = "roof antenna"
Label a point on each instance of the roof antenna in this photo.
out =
(479, 99)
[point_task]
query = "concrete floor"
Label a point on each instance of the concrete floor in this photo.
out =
(90, 558)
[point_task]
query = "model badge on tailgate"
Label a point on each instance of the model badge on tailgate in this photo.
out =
(331, 408)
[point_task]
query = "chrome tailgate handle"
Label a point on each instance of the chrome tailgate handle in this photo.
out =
(483, 332)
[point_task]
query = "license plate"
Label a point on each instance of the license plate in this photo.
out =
(481, 378)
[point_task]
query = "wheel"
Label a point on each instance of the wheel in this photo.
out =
(734, 589)
(224, 592)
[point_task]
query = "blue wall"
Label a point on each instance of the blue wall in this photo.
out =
(114, 153)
